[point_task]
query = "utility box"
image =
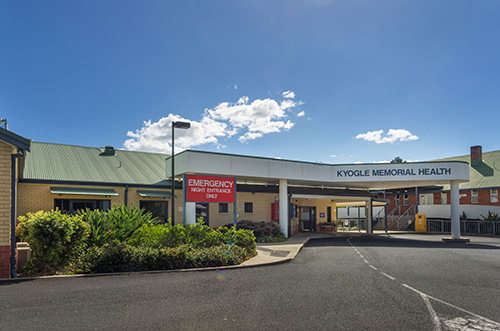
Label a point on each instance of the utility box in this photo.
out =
(275, 211)
(23, 255)
(420, 223)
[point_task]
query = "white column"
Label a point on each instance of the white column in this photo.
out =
(190, 213)
(368, 214)
(455, 210)
(284, 207)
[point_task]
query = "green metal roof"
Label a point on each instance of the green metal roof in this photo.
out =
(482, 175)
(14, 139)
(55, 162)
(83, 191)
(154, 194)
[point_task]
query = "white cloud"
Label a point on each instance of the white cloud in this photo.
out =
(333, 155)
(242, 100)
(302, 113)
(392, 136)
(235, 86)
(289, 95)
(244, 119)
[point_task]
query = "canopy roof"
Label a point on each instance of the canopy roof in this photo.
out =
(365, 176)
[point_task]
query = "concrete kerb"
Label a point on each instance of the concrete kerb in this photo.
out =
(263, 258)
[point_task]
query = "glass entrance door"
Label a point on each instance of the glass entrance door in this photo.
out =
(307, 217)
(202, 211)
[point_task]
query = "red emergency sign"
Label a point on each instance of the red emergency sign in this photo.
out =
(210, 189)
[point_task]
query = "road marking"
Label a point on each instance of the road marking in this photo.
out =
(453, 306)
(461, 323)
(388, 276)
(426, 297)
(435, 318)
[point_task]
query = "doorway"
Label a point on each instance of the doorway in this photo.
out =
(307, 218)
(202, 211)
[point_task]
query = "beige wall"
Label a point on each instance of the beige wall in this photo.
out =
(261, 209)
(320, 205)
(35, 197)
(5, 193)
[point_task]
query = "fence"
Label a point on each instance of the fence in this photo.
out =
(351, 224)
(466, 227)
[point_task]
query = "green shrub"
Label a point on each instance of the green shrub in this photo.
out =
(54, 238)
(263, 231)
(194, 235)
(149, 235)
(118, 223)
(122, 257)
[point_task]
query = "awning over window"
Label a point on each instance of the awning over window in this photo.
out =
(154, 194)
(83, 191)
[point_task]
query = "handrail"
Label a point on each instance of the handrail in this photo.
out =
(396, 218)
(408, 215)
(377, 218)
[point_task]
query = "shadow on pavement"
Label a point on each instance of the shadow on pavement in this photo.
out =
(384, 241)
(14, 281)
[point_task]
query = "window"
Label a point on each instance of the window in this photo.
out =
(71, 206)
(444, 198)
(405, 200)
(223, 208)
(398, 200)
(248, 207)
(202, 212)
(426, 199)
(494, 195)
(159, 209)
(474, 196)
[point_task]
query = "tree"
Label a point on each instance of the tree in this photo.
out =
(397, 159)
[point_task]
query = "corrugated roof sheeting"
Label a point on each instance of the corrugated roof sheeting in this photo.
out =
(485, 174)
(83, 191)
(86, 164)
(154, 194)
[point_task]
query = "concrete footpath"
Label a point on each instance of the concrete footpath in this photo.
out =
(274, 253)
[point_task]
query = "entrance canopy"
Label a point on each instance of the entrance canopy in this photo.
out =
(350, 177)
(363, 176)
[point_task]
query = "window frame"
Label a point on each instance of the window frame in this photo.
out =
(223, 208)
(98, 204)
(248, 207)
(406, 200)
(444, 198)
(474, 196)
(494, 196)
(165, 206)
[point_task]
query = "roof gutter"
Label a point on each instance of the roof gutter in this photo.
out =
(13, 183)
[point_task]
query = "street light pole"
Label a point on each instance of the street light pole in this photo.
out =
(178, 125)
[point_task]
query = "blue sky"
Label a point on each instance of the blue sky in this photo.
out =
(312, 80)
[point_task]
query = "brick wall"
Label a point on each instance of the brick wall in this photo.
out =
(465, 199)
(392, 204)
(4, 261)
(5, 205)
